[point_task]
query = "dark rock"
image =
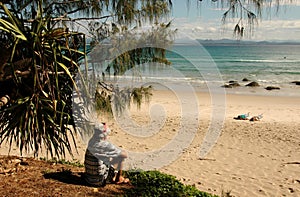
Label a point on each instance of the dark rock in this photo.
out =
(253, 84)
(227, 86)
(296, 82)
(234, 84)
(245, 79)
(272, 88)
(231, 84)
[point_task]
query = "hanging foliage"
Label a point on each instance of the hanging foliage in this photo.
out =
(40, 57)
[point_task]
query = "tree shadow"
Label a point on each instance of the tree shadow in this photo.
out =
(67, 176)
(77, 178)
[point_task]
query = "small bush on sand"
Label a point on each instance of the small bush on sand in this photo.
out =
(155, 183)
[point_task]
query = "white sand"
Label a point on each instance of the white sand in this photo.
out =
(249, 159)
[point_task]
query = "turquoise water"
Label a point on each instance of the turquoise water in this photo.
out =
(269, 65)
(273, 64)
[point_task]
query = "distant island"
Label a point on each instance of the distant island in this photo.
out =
(225, 42)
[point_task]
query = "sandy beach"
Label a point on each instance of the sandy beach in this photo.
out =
(260, 158)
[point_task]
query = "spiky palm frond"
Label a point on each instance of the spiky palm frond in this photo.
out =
(40, 71)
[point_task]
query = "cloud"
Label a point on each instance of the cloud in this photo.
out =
(271, 3)
(284, 3)
(278, 30)
(274, 29)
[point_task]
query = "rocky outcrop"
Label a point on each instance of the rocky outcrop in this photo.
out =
(296, 82)
(272, 88)
(253, 84)
(231, 84)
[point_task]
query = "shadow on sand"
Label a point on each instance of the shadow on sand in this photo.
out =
(67, 176)
(76, 178)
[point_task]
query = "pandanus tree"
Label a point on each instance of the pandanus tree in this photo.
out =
(38, 66)
(42, 46)
(40, 55)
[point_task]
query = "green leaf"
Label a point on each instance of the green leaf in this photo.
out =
(10, 28)
(67, 71)
(22, 100)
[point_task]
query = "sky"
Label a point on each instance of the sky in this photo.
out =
(204, 21)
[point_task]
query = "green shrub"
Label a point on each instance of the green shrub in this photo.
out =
(155, 183)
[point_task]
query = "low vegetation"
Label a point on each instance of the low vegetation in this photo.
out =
(155, 183)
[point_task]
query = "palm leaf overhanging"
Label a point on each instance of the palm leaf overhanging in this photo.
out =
(37, 76)
(40, 58)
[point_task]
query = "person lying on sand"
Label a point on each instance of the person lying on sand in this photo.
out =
(99, 155)
(242, 117)
(256, 118)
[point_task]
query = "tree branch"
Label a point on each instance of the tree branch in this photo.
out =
(74, 19)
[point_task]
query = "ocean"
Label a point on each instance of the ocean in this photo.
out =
(200, 65)
(269, 64)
